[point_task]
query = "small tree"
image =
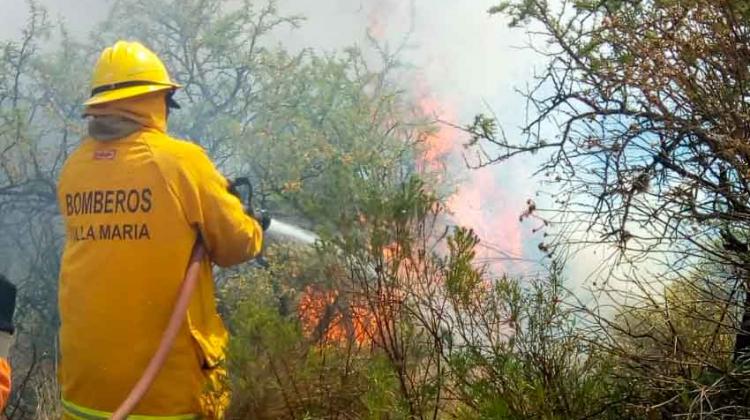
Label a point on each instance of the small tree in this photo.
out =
(356, 347)
(678, 347)
(518, 349)
(641, 108)
(640, 114)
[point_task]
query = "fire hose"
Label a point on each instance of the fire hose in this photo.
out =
(179, 313)
(167, 339)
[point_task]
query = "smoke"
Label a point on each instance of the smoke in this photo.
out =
(375, 18)
(459, 52)
(78, 15)
(462, 59)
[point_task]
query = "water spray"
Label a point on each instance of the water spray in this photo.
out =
(280, 230)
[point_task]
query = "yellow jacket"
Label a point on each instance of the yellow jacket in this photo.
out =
(133, 208)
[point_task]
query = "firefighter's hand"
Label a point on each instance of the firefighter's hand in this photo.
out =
(264, 220)
(7, 305)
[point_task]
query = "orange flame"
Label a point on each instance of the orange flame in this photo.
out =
(474, 205)
(438, 145)
(478, 203)
(327, 319)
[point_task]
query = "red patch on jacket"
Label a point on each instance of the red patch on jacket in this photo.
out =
(105, 154)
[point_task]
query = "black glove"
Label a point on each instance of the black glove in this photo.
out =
(247, 202)
(7, 305)
(264, 220)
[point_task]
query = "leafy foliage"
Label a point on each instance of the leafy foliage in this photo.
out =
(641, 115)
(389, 315)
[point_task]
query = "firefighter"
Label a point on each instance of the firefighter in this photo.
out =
(134, 201)
(7, 307)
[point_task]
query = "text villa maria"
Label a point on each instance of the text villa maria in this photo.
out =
(111, 232)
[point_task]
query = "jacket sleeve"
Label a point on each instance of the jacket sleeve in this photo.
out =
(4, 383)
(230, 235)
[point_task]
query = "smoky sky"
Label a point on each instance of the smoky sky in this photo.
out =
(78, 15)
(461, 50)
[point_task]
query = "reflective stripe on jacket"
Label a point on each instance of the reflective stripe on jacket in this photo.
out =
(4, 383)
(76, 412)
(133, 208)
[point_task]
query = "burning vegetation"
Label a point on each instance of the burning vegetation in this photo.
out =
(414, 298)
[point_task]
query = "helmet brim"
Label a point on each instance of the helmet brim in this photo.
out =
(128, 92)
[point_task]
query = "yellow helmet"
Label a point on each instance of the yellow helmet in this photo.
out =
(127, 69)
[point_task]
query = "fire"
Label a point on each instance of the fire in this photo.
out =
(332, 317)
(439, 144)
(329, 318)
(478, 202)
